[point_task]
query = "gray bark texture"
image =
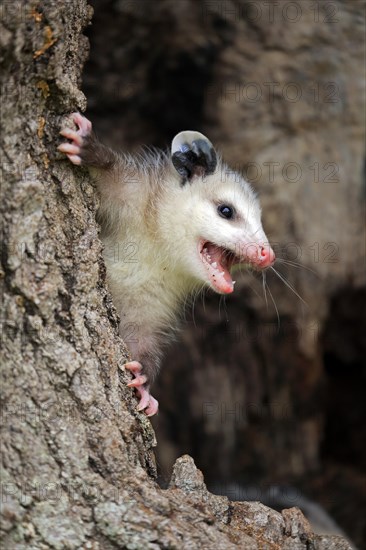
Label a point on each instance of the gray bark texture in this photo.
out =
(77, 462)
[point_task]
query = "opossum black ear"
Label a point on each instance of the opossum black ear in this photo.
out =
(193, 155)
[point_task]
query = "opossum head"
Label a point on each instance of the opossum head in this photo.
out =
(216, 216)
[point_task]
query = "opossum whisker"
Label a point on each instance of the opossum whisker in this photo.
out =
(251, 273)
(275, 306)
(285, 281)
(264, 287)
(204, 291)
(223, 301)
(254, 234)
(192, 309)
(195, 296)
(185, 303)
(220, 307)
(188, 302)
(296, 264)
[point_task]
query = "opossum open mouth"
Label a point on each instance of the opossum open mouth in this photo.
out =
(218, 262)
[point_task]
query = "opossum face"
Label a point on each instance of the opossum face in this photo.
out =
(219, 214)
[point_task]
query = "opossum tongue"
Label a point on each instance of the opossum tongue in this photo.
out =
(218, 263)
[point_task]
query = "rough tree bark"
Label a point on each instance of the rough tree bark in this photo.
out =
(77, 459)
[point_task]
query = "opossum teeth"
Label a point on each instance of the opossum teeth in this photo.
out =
(217, 262)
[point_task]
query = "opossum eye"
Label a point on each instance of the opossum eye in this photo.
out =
(226, 211)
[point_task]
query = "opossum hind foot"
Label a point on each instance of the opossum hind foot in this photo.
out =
(147, 401)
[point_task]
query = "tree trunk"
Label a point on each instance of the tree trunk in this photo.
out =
(77, 459)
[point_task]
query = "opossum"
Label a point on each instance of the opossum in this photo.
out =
(172, 222)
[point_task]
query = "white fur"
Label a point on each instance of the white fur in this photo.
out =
(152, 225)
(162, 230)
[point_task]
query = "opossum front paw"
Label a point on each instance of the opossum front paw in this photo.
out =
(147, 401)
(73, 149)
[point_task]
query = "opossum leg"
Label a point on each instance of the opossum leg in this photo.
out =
(85, 148)
(147, 401)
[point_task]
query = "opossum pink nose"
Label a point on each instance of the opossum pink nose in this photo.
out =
(266, 256)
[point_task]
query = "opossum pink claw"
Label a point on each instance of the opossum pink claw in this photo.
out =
(83, 123)
(73, 150)
(134, 366)
(153, 407)
(138, 381)
(147, 401)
